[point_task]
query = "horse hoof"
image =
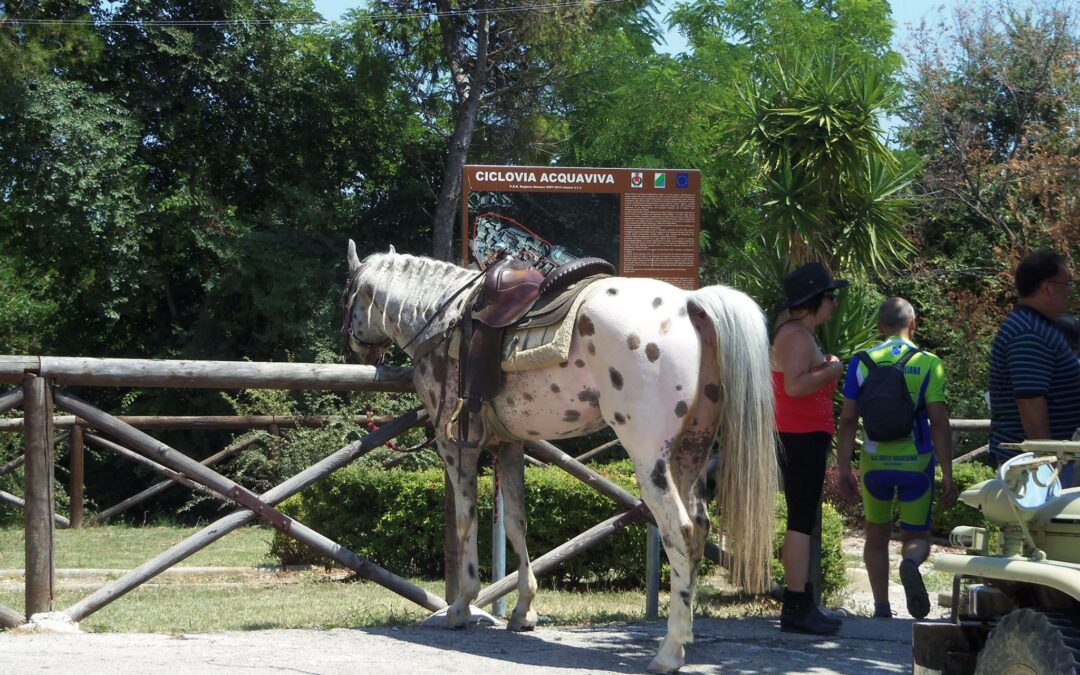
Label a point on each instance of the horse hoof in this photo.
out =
(444, 618)
(521, 625)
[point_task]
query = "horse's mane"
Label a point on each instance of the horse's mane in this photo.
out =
(411, 288)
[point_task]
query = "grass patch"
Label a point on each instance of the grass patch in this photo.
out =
(123, 547)
(264, 600)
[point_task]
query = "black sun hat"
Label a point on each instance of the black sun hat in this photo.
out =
(808, 281)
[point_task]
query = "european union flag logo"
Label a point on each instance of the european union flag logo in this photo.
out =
(682, 180)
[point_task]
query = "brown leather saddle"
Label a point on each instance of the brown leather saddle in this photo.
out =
(510, 290)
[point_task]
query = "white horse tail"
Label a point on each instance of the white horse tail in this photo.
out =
(748, 476)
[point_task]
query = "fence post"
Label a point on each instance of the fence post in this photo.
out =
(652, 572)
(498, 545)
(38, 490)
(75, 463)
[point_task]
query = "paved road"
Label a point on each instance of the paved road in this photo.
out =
(751, 645)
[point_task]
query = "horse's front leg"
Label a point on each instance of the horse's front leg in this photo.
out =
(461, 468)
(512, 483)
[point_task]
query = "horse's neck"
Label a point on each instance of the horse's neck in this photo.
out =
(417, 294)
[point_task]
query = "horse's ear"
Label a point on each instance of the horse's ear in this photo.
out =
(354, 261)
(391, 251)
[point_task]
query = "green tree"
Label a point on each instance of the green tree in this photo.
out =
(992, 109)
(485, 68)
(830, 189)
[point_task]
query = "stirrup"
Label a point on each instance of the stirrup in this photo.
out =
(462, 439)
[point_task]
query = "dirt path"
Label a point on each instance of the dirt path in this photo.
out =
(740, 645)
(723, 645)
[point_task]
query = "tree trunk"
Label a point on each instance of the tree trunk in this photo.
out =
(446, 209)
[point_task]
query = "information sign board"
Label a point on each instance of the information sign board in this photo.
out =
(644, 221)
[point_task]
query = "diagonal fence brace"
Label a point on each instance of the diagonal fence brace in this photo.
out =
(228, 488)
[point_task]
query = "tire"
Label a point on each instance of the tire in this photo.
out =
(1029, 642)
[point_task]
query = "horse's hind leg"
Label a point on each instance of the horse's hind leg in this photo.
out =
(461, 468)
(512, 484)
(660, 494)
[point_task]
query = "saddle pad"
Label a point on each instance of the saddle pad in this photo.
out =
(543, 346)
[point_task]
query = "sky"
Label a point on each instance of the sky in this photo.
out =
(905, 12)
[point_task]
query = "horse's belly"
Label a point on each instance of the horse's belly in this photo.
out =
(549, 403)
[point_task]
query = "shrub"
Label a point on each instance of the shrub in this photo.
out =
(833, 573)
(964, 476)
(850, 512)
(395, 519)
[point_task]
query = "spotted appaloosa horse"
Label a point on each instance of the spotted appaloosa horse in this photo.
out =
(669, 370)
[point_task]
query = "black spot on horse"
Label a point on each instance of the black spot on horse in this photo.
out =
(616, 378)
(555, 388)
(472, 571)
(619, 419)
(681, 409)
(585, 326)
(533, 433)
(659, 475)
(590, 396)
(591, 348)
(678, 387)
(510, 401)
(652, 351)
(564, 364)
(633, 341)
(527, 396)
(665, 326)
(612, 291)
(657, 302)
(712, 392)
(579, 363)
(571, 416)
(682, 311)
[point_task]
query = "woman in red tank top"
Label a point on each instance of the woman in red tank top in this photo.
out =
(804, 380)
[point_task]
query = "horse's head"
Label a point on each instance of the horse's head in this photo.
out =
(366, 341)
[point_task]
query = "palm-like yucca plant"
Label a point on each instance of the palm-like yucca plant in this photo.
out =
(828, 183)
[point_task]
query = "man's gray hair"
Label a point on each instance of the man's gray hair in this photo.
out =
(895, 314)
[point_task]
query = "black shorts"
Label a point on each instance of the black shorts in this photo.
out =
(802, 468)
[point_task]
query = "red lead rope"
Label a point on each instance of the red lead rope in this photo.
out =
(371, 426)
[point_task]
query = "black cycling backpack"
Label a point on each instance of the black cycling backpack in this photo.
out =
(885, 404)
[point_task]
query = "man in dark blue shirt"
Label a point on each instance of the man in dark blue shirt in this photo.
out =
(1034, 376)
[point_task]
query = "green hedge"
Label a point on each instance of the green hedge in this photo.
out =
(395, 519)
(964, 476)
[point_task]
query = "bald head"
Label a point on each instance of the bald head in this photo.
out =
(895, 316)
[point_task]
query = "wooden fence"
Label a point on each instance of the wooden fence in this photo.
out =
(39, 377)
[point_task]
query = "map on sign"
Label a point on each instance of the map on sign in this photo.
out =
(643, 221)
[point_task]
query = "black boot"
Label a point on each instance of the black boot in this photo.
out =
(799, 615)
(825, 616)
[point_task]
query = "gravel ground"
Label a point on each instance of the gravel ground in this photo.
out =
(723, 645)
(740, 645)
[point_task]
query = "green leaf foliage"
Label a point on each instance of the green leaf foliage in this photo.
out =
(395, 518)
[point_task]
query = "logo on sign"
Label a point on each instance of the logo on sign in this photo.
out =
(637, 179)
(659, 180)
(682, 180)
